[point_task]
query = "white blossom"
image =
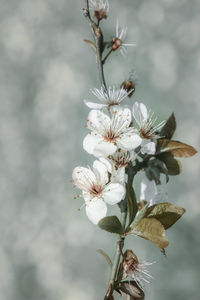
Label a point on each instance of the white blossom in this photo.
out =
(99, 5)
(122, 158)
(148, 191)
(118, 41)
(110, 133)
(97, 190)
(148, 131)
(117, 164)
(108, 98)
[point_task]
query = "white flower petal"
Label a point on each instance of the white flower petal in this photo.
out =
(100, 172)
(83, 178)
(96, 210)
(148, 147)
(106, 162)
(98, 121)
(104, 149)
(90, 142)
(119, 176)
(140, 113)
(93, 105)
(148, 190)
(129, 141)
(121, 120)
(113, 193)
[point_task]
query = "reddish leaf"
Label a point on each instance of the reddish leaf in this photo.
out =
(176, 148)
(169, 128)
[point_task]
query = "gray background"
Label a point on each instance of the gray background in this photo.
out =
(47, 247)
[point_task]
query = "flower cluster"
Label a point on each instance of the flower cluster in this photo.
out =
(117, 136)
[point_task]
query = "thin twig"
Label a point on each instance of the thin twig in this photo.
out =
(104, 60)
(87, 5)
(118, 251)
(98, 38)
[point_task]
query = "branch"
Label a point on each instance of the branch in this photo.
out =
(104, 60)
(98, 39)
(132, 171)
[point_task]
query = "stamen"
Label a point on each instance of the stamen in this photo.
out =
(83, 205)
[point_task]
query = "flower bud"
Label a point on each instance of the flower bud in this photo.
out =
(128, 85)
(116, 43)
(130, 262)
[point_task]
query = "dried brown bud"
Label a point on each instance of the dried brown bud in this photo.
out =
(130, 290)
(100, 14)
(116, 43)
(128, 85)
(135, 269)
(130, 262)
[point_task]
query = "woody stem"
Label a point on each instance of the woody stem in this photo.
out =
(132, 171)
(99, 44)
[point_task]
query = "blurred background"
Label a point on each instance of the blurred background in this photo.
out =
(48, 248)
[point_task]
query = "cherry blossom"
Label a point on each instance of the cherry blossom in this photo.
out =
(108, 98)
(147, 130)
(97, 190)
(110, 133)
(118, 40)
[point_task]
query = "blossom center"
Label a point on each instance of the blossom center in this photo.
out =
(145, 133)
(110, 136)
(122, 160)
(96, 190)
(112, 102)
(100, 14)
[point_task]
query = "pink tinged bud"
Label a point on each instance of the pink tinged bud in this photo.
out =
(116, 43)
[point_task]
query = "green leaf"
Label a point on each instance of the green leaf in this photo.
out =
(173, 165)
(166, 213)
(152, 230)
(161, 168)
(132, 203)
(111, 224)
(169, 128)
(153, 173)
(176, 148)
